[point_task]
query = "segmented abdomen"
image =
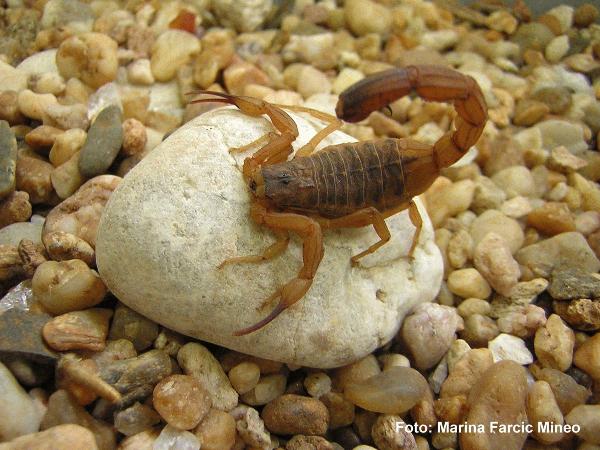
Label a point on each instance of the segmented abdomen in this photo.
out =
(344, 178)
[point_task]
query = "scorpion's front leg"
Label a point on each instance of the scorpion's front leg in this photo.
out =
(282, 239)
(312, 253)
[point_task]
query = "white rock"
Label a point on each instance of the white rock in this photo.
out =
(184, 209)
(506, 346)
(560, 132)
(38, 63)
(13, 233)
(17, 409)
(170, 438)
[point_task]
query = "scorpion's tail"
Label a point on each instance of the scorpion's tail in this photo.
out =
(221, 97)
(258, 325)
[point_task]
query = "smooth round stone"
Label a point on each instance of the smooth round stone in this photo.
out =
(184, 209)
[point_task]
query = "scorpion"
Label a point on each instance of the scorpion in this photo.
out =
(348, 185)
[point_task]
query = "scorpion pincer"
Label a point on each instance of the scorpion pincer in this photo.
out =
(353, 184)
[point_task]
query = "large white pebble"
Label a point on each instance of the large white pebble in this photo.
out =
(184, 209)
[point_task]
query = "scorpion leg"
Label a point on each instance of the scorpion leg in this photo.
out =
(280, 244)
(312, 253)
(359, 219)
(333, 124)
(417, 221)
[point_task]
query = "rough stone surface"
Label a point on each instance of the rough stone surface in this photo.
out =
(8, 159)
(184, 209)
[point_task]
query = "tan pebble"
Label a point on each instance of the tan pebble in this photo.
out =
(493, 259)
(91, 57)
(529, 112)
(313, 81)
(468, 283)
(171, 50)
(346, 78)
(516, 207)
(386, 393)
(341, 410)
(587, 357)
(268, 388)
(472, 306)
(451, 409)
(567, 392)
(67, 286)
(542, 409)
(585, 15)
(181, 400)
(32, 256)
(139, 72)
(563, 160)
(134, 137)
(446, 199)
(557, 48)
(78, 330)
(244, 377)
(356, 372)
(389, 360)
(295, 414)
(33, 177)
(66, 145)
(317, 384)
(67, 116)
(67, 178)
(9, 107)
(588, 419)
(428, 332)
(582, 313)
(589, 192)
(42, 136)
(216, 431)
(15, 208)
(76, 91)
(59, 436)
(554, 344)
(240, 74)
(301, 442)
(515, 180)
(460, 249)
(63, 246)
(34, 105)
(47, 83)
(386, 436)
(498, 396)
(552, 218)
(479, 330)
(587, 222)
(495, 221)
(503, 21)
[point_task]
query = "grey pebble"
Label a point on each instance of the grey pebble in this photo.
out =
(103, 142)
(570, 283)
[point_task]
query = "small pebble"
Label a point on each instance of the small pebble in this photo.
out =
(171, 50)
(585, 15)
(250, 427)
(42, 137)
(104, 140)
(356, 372)
(78, 330)
(65, 145)
(493, 260)
(216, 431)
(317, 384)
(428, 333)
(67, 178)
(173, 438)
(181, 401)
(63, 246)
(8, 159)
(468, 283)
(394, 391)
(587, 357)
(135, 419)
(508, 347)
(581, 314)
(130, 325)
(295, 414)
(34, 105)
(495, 221)
(15, 208)
(479, 330)
(196, 360)
(60, 436)
(244, 377)
(33, 177)
(542, 409)
(134, 137)
(567, 392)
(386, 436)
(588, 418)
(9, 107)
(19, 414)
(67, 286)
(268, 388)
(365, 16)
(91, 57)
(554, 343)
(341, 410)
(498, 396)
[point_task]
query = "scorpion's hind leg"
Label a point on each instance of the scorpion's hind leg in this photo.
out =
(312, 253)
(417, 221)
(277, 247)
(359, 219)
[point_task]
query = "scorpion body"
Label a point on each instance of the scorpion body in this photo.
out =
(342, 179)
(353, 184)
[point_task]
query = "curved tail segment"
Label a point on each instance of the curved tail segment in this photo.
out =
(433, 83)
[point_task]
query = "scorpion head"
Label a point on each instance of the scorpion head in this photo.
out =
(256, 183)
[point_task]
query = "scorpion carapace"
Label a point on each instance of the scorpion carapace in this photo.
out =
(349, 185)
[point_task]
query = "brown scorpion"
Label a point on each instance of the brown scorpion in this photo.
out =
(354, 184)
